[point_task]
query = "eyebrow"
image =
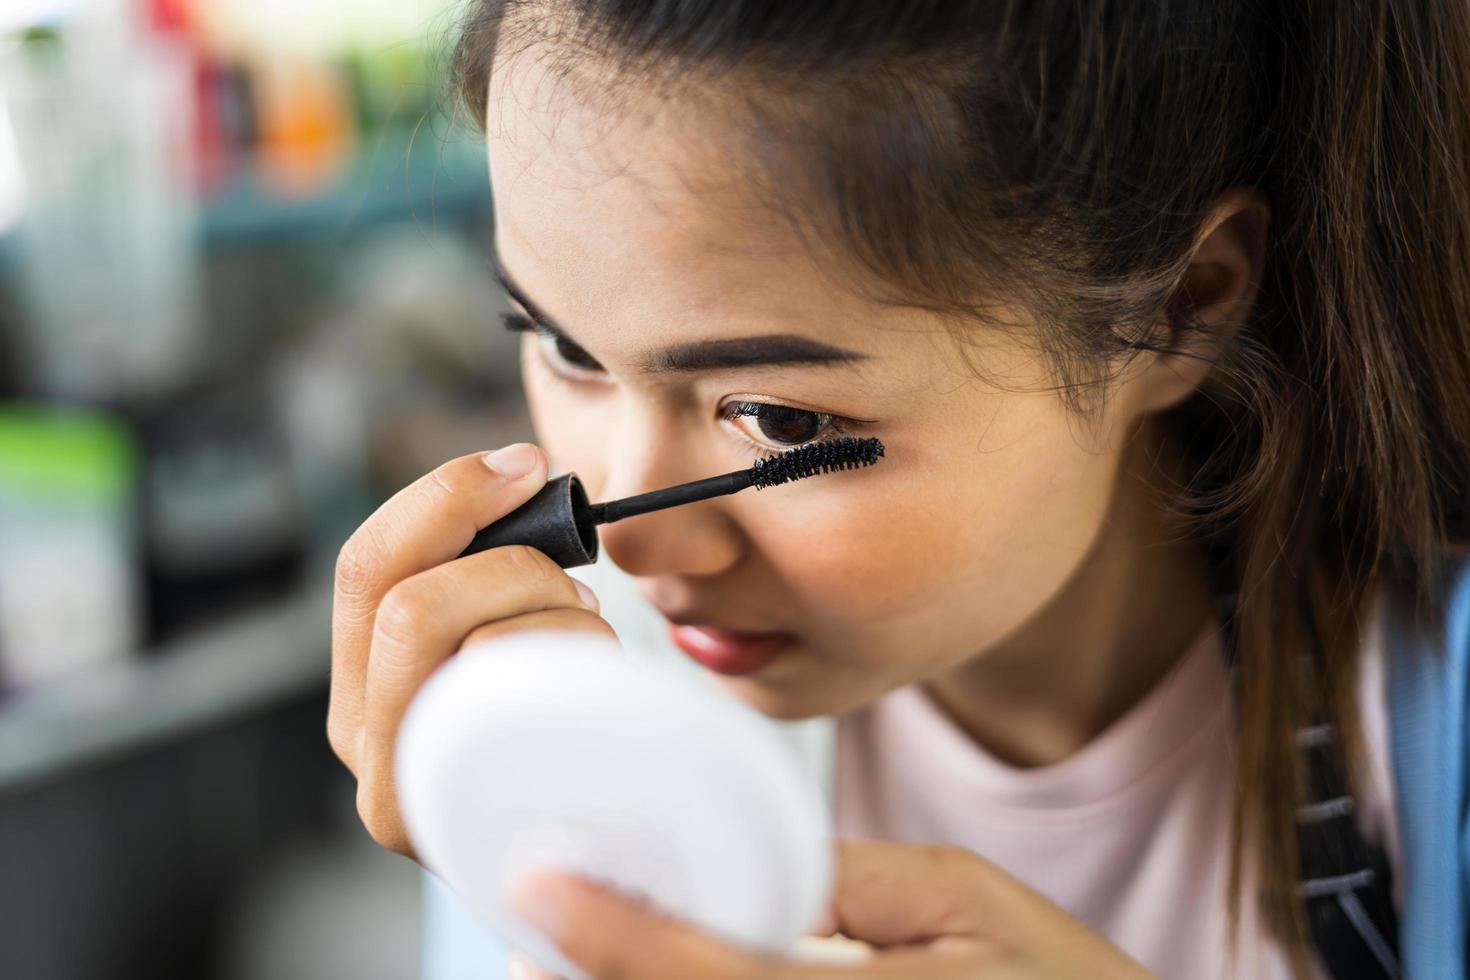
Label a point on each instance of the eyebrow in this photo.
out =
(704, 355)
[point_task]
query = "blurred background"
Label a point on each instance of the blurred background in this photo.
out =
(244, 297)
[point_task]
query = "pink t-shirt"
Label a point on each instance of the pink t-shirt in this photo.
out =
(1130, 834)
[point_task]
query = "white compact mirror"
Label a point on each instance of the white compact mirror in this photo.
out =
(563, 751)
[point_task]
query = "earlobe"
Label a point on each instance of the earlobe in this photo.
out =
(1214, 298)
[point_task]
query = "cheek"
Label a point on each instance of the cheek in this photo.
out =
(945, 558)
(1027, 530)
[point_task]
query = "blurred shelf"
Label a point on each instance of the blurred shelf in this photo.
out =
(418, 183)
(252, 660)
(400, 180)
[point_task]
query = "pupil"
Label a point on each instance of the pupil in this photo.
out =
(788, 425)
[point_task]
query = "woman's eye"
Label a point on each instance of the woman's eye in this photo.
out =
(570, 353)
(781, 424)
(559, 348)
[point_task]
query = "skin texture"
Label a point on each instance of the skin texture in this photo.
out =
(1007, 554)
(937, 912)
(403, 603)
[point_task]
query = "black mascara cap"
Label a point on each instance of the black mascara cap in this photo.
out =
(556, 521)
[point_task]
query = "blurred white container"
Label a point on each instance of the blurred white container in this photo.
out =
(68, 585)
(101, 114)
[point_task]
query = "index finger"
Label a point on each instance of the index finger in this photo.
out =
(427, 523)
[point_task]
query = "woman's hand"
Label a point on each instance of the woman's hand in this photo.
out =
(404, 602)
(938, 913)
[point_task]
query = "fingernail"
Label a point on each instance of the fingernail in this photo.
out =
(513, 462)
(589, 598)
(534, 899)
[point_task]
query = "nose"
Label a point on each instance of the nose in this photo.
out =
(699, 539)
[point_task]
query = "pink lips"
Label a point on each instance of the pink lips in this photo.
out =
(725, 651)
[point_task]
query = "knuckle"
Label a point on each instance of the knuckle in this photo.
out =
(342, 739)
(529, 566)
(356, 571)
(958, 866)
(379, 816)
(404, 610)
(537, 580)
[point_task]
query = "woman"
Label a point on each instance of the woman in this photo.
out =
(1160, 312)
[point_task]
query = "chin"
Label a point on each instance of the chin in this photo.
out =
(785, 697)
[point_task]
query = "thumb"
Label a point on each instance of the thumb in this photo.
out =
(892, 894)
(609, 934)
(949, 898)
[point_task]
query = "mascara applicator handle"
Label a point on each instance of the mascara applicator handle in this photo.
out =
(557, 521)
(561, 522)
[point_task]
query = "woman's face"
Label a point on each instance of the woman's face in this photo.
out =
(638, 243)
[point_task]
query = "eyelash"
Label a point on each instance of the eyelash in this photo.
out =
(830, 426)
(519, 323)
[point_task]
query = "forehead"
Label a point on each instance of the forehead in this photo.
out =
(652, 203)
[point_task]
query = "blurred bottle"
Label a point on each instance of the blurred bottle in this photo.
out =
(306, 126)
(69, 595)
(109, 265)
(172, 26)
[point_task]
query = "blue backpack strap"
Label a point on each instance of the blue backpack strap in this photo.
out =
(1429, 690)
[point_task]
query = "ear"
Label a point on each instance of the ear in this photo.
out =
(1214, 298)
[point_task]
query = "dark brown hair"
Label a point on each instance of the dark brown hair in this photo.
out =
(1064, 155)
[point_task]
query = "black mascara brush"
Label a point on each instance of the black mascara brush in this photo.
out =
(560, 521)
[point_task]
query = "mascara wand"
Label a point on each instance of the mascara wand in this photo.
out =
(562, 523)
